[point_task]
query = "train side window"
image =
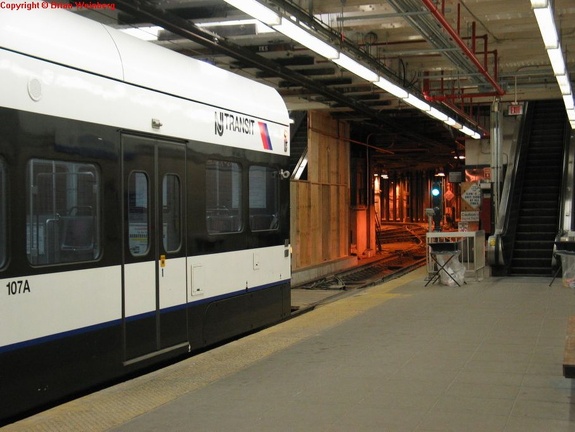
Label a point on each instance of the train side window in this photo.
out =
(63, 216)
(223, 197)
(138, 217)
(171, 213)
(264, 202)
(3, 222)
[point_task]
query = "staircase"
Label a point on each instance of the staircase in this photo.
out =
(537, 222)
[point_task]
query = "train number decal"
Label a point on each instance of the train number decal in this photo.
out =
(18, 287)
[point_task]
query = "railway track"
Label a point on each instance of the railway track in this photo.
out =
(376, 271)
(403, 250)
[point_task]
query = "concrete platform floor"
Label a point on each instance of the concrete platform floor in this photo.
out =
(398, 356)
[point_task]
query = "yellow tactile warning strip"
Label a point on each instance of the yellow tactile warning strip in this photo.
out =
(117, 405)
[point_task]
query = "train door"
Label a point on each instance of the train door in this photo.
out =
(154, 268)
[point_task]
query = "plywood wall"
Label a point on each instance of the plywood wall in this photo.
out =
(320, 204)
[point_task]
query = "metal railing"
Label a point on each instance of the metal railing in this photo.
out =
(471, 244)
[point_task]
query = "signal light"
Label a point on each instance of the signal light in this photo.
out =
(436, 203)
(436, 194)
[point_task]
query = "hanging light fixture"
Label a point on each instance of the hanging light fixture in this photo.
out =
(356, 68)
(300, 33)
(545, 20)
(257, 11)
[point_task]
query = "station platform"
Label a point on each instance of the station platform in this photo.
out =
(398, 356)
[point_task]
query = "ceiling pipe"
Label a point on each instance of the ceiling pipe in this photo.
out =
(441, 94)
(485, 49)
(484, 132)
(458, 17)
(445, 97)
(455, 36)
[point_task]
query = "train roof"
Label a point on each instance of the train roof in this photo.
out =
(68, 39)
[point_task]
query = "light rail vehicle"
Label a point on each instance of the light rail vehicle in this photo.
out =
(144, 206)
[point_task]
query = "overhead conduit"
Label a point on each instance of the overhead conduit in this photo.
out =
(461, 43)
(435, 28)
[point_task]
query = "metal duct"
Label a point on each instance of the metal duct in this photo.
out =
(444, 38)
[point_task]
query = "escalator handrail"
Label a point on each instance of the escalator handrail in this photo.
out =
(512, 186)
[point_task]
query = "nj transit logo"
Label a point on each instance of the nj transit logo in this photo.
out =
(225, 122)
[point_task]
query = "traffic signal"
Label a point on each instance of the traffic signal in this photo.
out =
(436, 194)
(437, 205)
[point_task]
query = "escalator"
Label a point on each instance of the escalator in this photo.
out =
(538, 213)
(534, 194)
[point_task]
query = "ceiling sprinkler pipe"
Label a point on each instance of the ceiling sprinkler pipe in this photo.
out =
(441, 19)
(444, 97)
(464, 115)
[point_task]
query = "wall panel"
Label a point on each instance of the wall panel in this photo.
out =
(320, 204)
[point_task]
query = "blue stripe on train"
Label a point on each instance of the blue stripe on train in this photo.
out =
(118, 322)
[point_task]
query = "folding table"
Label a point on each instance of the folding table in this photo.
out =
(450, 249)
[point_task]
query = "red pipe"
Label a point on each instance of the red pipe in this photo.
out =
(473, 37)
(444, 97)
(437, 14)
(485, 49)
(461, 113)
(426, 82)
(495, 64)
(458, 18)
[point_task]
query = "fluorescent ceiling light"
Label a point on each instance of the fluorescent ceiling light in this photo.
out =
(547, 27)
(300, 168)
(306, 38)
(453, 123)
(568, 100)
(417, 103)
(557, 61)
(293, 31)
(470, 132)
(260, 26)
(256, 10)
(434, 112)
(389, 87)
(360, 70)
(571, 114)
(149, 33)
(238, 22)
(564, 83)
(546, 22)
